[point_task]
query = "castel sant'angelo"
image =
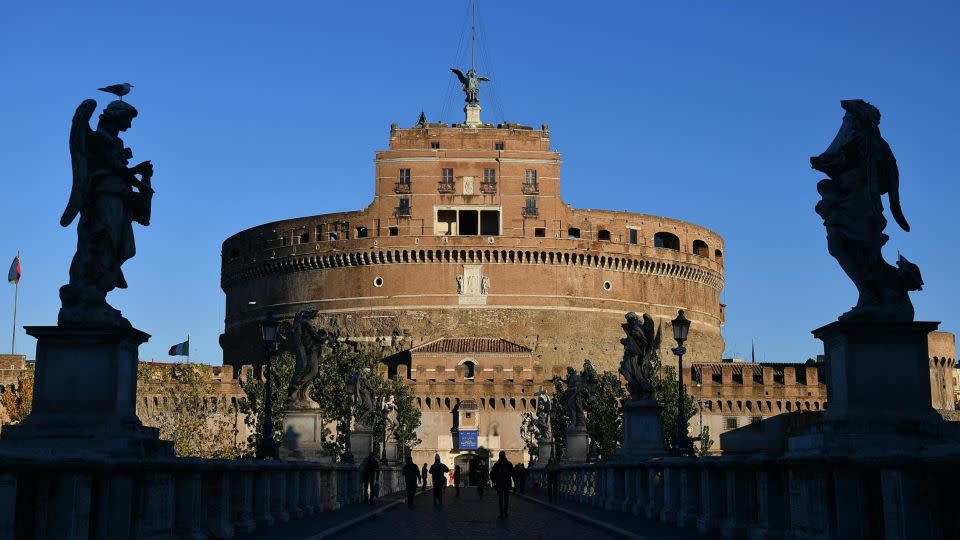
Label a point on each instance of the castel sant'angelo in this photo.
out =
(473, 275)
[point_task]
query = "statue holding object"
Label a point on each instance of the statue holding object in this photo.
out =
(861, 168)
(108, 196)
(310, 344)
(640, 365)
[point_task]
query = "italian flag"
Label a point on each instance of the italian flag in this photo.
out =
(13, 276)
(180, 349)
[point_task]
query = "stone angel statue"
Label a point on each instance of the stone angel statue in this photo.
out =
(362, 397)
(640, 364)
(470, 84)
(310, 345)
(544, 415)
(861, 169)
(576, 385)
(109, 196)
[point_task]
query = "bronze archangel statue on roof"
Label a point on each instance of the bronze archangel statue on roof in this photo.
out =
(470, 84)
(861, 168)
(109, 196)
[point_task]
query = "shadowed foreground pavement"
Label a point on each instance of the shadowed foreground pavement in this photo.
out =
(470, 517)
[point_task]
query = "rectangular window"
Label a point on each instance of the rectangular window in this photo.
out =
(489, 176)
(540, 232)
(490, 222)
(394, 231)
(530, 176)
(405, 204)
(634, 236)
(446, 223)
(284, 240)
(469, 222)
(498, 146)
(361, 232)
(434, 144)
(446, 175)
(531, 203)
(334, 236)
(730, 422)
(404, 176)
(305, 238)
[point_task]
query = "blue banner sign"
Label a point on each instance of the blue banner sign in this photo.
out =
(468, 440)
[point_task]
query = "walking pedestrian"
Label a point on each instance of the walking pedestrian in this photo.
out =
(438, 473)
(481, 479)
(411, 476)
(522, 478)
(457, 476)
(501, 475)
(371, 470)
(424, 475)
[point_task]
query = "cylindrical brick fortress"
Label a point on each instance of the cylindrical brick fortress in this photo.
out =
(467, 237)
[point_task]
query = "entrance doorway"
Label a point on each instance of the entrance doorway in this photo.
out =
(471, 466)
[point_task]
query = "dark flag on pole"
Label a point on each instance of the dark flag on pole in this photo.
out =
(13, 276)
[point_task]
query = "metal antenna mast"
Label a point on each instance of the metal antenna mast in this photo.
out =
(473, 33)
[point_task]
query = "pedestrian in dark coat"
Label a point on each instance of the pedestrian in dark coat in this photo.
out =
(424, 475)
(553, 480)
(438, 473)
(411, 477)
(482, 480)
(457, 477)
(371, 471)
(502, 474)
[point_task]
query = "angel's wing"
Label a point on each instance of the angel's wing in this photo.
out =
(460, 75)
(79, 134)
(484, 79)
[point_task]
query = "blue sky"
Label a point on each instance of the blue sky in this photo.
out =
(702, 111)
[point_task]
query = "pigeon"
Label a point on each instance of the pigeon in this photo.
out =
(118, 90)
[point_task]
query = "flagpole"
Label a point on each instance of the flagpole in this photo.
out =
(16, 297)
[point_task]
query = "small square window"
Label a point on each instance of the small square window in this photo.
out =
(334, 236)
(489, 176)
(498, 146)
(540, 232)
(730, 422)
(634, 237)
(446, 175)
(394, 231)
(434, 144)
(305, 238)
(284, 240)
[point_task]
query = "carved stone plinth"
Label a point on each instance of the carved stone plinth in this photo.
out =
(879, 383)
(362, 441)
(303, 436)
(473, 115)
(578, 445)
(642, 436)
(393, 452)
(84, 396)
(545, 451)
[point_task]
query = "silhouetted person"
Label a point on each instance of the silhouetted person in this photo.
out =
(481, 480)
(371, 470)
(501, 474)
(438, 473)
(519, 477)
(424, 475)
(411, 477)
(457, 476)
(553, 480)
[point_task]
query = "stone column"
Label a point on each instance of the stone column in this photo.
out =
(190, 514)
(689, 505)
(63, 507)
(671, 491)
(294, 504)
(156, 507)
(739, 499)
(641, 490)
(262, 497)
(654, 490)
(113, 495)
(772, 502)
(8, 504)
(241, 502)
(711, 497)
(216, 503)
(278, 495)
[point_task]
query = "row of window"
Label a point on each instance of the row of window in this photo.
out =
(492, 403)
(489, 176)
(435, 145)
(773, 407)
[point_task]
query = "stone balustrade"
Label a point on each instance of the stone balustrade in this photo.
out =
(165, 499)
(895, 497)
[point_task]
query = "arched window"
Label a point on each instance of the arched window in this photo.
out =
(469, 369)
(573, 232)
(604, 235)
(718, 255)
(700, 248)
(666, 240)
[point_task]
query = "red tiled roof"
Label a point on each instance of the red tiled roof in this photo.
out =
(471, 346)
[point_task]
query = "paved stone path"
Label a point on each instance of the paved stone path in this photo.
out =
(472, 518)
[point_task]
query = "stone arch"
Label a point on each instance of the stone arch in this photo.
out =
(603, 235)
(573, 232)
(666, 240)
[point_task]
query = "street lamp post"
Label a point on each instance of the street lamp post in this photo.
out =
(700, 408)
(681, 326)
(267, 449)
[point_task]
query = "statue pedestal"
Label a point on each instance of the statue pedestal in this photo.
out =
(545, 451)
(362, 443)
(84, 395)
(303, 436)
(473, 115)
(393, 452)
(642, 435)
(578, 445)
(878, 377)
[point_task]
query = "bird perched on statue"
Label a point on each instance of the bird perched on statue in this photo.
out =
(118, 90)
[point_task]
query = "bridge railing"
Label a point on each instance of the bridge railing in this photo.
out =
(891, 497)
(175, 498)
